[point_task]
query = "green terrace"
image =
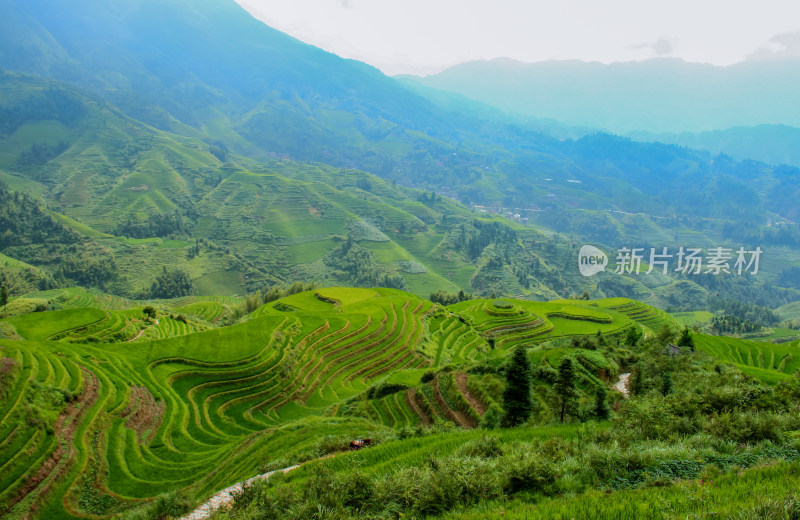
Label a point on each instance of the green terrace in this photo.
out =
(103, 407)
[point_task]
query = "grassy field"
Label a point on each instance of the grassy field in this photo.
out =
(693, 318)
(724, 496)
(790, 311)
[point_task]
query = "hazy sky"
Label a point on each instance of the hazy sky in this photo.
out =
(425, 36)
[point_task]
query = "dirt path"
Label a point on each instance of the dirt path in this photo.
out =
(37, 486)
(461, 381)
(456, 415)
(412, 402)
(137, 336)
(622, 384)
(224, 498)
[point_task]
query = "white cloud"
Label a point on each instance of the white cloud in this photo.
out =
(414, 35)
(660, 47)
(786, 45)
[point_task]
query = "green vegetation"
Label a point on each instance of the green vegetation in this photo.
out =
(517, 399)
(766, 361)
(702, 448)
(565, 388)
(301, 376)
(160, 201)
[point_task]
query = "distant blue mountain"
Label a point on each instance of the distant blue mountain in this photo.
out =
(658, 95)
(207, 68)
(773, 144)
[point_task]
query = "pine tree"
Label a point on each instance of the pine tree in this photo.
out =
(565, 387)
(635, 383)
(4, 297)
(517, 399)
(601, 409)
(685, 339)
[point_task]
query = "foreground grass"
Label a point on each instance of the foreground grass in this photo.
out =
(763, 492)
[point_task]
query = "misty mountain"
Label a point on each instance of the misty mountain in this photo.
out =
(772, 144)
(194, 120)
(657, 95)
(210, 70)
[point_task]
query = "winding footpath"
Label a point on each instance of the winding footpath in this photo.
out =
(622, 385)
(224, 498)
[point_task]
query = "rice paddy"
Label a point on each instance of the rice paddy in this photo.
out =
(103, 408)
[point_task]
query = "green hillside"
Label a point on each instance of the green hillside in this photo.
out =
(767, 361)
(135, 197)
(129, 406)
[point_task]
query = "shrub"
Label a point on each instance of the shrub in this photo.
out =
(546, 373)
(492, 417)
(747, 427)
(527, 471)
(484, 447)
(170, 505)
(785, 509)
(383, 389)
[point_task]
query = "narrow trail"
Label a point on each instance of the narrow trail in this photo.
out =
(37, 486)
(224, 498)
(457, 416)
(137, 336)
(461, 382)
(412, 402)
(622, 385)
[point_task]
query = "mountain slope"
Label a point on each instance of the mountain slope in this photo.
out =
(219, 199)
(772, 144)
(210, 70)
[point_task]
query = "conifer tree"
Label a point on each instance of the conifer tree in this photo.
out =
(566, 393)
(667, 384)
(685, 339)
(517, 399)
(601, 409)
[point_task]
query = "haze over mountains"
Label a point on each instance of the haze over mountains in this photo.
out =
(663, 95)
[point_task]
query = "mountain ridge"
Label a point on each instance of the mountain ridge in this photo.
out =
(657, 95)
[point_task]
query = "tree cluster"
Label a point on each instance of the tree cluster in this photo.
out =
(173, 224)
(473, 239)
(744, 311)
(358, 267)
(40, 153)
(170, 284)
(733, 325)
(443, 298)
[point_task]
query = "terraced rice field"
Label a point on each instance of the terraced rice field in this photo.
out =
(518, 322)
(651, 318)
(456, 341)
(91, 427)
(770, 362)
(156, 417)
(98, 326)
